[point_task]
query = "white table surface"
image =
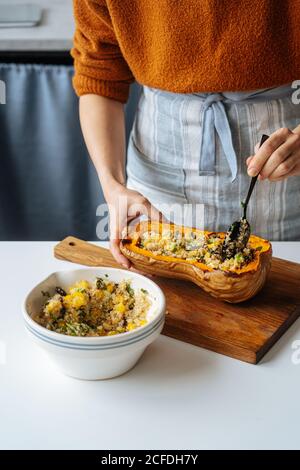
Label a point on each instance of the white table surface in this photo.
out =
(177, 397)
(54, 33)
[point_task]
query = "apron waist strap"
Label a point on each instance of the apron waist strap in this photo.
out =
(215, 120)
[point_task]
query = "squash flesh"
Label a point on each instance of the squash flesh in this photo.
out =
(143, 227)
(231, 286)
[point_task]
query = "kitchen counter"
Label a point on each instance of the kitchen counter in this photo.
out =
(54, 33)
(177, 397)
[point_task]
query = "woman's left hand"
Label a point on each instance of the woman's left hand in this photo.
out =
(278, 157)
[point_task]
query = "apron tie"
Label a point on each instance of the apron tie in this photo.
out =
(215, 119)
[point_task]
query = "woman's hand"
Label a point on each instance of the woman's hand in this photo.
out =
(278, 157)
(103, 125)
(125, 205)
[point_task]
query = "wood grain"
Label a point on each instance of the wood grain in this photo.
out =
(243, 331)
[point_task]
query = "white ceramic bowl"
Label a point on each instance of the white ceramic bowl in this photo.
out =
(94, 358)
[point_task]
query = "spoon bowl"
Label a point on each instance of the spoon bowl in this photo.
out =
(238, 234)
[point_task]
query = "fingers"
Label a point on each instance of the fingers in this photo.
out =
(284, 169)
(116, 252)
(277, 158)
(249, 160)
(143, 206)
(267, 149)
(115, 238)
(294, 172)
(134, 205)
(152, 212)
(282, 159)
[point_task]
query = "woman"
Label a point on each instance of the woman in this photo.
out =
(197, 123)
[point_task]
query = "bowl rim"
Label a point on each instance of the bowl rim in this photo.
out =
(90, 340)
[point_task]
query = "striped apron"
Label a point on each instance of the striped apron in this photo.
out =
(191, 150)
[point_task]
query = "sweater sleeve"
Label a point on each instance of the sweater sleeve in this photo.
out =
(100, 67)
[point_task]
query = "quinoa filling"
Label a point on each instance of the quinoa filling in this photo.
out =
(190, 245)
(103, 308)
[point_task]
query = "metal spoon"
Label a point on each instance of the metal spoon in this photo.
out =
(238, 234)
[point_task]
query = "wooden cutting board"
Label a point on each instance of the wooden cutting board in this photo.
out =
(243, 331)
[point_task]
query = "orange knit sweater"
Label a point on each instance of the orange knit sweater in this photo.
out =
(185, 46)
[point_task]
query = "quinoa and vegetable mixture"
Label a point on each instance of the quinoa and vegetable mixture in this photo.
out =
(190, 245)
(103, 308)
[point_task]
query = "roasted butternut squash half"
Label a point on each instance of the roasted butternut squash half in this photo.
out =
(187, 253)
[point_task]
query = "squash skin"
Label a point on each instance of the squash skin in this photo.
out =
(233, 287)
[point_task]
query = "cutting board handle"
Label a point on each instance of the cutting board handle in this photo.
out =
(81, 252)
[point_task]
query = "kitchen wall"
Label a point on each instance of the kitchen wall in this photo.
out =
(48, 186)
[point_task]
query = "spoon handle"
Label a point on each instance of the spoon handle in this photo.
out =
(253, 180)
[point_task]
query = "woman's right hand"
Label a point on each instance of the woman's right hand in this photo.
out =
(125, 205)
